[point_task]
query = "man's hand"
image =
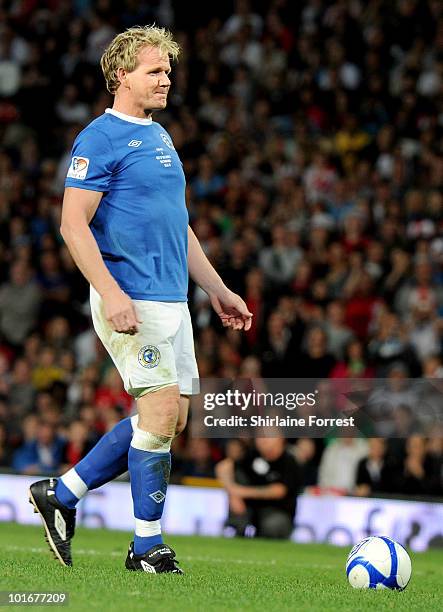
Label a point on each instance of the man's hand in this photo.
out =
(237, 505)
(120, 312)
(231, 309)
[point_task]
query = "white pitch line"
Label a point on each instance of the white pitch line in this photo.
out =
(90, 553)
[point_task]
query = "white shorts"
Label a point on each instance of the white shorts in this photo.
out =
(160, 354)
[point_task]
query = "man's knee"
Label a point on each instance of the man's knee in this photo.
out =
(275, 524)
(158, 411)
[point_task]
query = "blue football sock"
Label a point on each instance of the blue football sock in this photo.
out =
(149, 470)
(107, 460)
(65, 495)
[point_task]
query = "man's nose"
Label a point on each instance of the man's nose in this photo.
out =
(164, 80)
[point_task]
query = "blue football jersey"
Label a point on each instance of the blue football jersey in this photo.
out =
(141, 223)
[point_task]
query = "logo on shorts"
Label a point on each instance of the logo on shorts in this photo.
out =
(78, 168)
(149, 356)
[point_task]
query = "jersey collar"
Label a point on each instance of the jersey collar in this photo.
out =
(128, 118)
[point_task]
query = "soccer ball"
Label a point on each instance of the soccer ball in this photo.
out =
(378, 563)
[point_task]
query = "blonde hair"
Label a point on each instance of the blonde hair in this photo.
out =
(123, 50)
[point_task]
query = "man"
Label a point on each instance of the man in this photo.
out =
(338, 464)
(125, 223)
(262, 488)
(42, 455)
(20, 301)
(376, 473)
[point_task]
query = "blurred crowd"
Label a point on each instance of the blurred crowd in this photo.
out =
(311, 135)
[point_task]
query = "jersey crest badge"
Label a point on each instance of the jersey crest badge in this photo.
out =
(78, 168)
(166, 140)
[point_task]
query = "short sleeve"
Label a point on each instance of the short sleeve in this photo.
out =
(91, 162)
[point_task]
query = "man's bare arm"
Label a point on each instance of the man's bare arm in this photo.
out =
(276, 490)
(79, 207)
(224, 470)
(229, 306)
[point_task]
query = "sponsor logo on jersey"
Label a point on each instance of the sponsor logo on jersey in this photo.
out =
(149, 356)
(78, 168)
(135, 143)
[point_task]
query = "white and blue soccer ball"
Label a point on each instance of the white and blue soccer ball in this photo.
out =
(378, 562)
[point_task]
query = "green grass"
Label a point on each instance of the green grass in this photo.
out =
(221, 574)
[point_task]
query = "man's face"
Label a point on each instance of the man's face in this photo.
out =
(270, 448)
(149, 82)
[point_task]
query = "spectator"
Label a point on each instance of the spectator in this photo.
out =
(391, 346)
(19, 304)
(112, 394)
(398, 273)
(262, 488)
(421, 292)
(207, 183)
(337, 332)
(242, 16)
(199, 460)
(46, 371)
(315, 361)
(279, 261)
(42, 454)
(362, 304)
(337, 472)
(375, 474)
(425, 328)
(254, 298)
(435, 454)
(77, 444)
(5, 450)
(21, 391)
(274, 352)
(304, 451)
(53, 284)
(320, 178)
(418, 475)
(355, 363)
(69, 109)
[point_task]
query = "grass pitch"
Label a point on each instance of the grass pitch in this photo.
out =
(221, 574)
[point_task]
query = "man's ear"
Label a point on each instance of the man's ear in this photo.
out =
(122, 76)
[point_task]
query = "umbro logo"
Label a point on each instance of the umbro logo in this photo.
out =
(135, 143)
(157, 496)
(60, 524)
(147, 567)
